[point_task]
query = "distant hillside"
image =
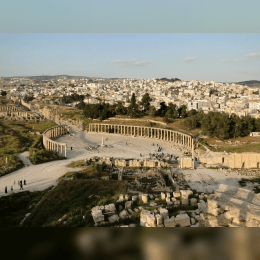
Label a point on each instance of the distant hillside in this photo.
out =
(56, 77)
(250, 83)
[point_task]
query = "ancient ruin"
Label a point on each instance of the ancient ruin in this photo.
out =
(50, 144)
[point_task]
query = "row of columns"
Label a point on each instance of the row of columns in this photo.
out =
(10, 108)
(141, 131)
(54, 146)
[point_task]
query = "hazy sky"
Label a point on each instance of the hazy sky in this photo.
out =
(129, 16)
(219, 57)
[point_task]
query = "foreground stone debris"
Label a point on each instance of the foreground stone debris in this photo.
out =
(231, 207)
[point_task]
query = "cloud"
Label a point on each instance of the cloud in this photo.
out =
(225, 60)
(189, 59)
(131, 63)
(253, 55)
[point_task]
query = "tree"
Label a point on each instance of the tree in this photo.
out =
(171, 111)
(133, 109)
(152, 111)
(3, 93)
(121, 110)
(145, 102)
(182, 111)
(162, 110)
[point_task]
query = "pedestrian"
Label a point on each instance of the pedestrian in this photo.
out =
(71, 148)
(5, 189)
(11, 188)
(24, 182)
(21, 186)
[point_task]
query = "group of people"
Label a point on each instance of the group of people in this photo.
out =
(20, 183)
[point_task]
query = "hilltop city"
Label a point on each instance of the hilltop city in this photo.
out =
(118, 152)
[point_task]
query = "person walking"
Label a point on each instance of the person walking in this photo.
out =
(71, 148)
(11, 188)
(21, 186)
(5, 189)
(24, 182)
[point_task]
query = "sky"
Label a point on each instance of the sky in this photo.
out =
(129, 16)
(226, 57)
(187, 39)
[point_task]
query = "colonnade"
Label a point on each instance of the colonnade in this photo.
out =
(52, 145)
(141, 131)
(10, 108)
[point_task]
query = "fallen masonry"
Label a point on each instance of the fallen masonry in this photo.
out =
(231, 207)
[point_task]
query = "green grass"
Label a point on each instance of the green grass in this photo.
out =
(238, 149)
(73, 164)
(15, 206)
(15, 139)
(72, 197)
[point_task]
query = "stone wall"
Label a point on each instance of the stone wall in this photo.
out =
(187, 162)
(52, 145)
(234, 160)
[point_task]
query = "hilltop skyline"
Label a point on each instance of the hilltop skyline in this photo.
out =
(206, 57)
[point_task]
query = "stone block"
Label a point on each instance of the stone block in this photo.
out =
(153, 204)
(145, 198)
(126, 197)
(143, 217)
(113, 219)
(121, 197)
(185, 200)
(128, 204)
(151, 220)
(193, 221)
(99, 218)
(123, 214)
(213, 211)
(238, 223)
(193, 202)
(201, 197)
(112, 207)
(170, 222)
(130, 211)
(211, 221)
(202, 206)
(183, 220)
(173, 199)
(228, 216)
(107, 208)
(168, 199)
(251, 223)
(134, 198)
(159, 219)
(163, 196)
(164, 213)
(131, 225)
(176, 194)
(168, 194)
(212, 203)
(222, 221)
